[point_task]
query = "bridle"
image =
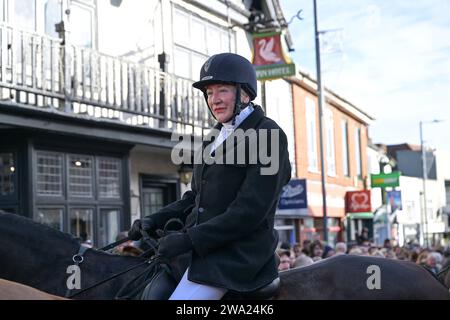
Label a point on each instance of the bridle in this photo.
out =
(153, 260)
(79, 258)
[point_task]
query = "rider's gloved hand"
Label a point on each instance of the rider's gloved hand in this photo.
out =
(174, 244)
(146, 224)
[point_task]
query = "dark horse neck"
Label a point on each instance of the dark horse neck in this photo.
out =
(38, 256)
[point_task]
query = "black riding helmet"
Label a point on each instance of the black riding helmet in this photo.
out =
(229, 68)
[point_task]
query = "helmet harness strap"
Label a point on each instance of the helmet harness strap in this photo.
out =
(238, 104)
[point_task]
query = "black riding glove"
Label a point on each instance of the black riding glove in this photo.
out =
(147, 224)
(174, 244)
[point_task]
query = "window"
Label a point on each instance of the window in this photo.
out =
(52, 10)
(331, 160)
(156, 192)
(195, 40)
(25, 14)
(345, 157)
(152, 200)
(49, 174)
(52, 217)
(81, 223)
(358, 152)
(80, 176)
(81, 26)
(108, 227)
(80, 194)
(198, 30)
(109, 171)
(182, 69)
(7, 174)
(311, 134)
(2, 10)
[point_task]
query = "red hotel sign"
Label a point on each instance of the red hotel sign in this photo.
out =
(358, 201)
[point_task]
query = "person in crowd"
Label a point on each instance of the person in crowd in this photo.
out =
(340, 248)
(363, 236)
(328, 251)
(316, 250)
(285, 259)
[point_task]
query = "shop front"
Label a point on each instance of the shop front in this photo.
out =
(292, 213)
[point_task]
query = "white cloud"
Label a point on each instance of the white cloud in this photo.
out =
(397, 61)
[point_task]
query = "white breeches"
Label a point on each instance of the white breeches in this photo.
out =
(188, 290)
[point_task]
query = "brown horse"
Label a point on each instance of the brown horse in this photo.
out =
(16, 291)
(39, 256)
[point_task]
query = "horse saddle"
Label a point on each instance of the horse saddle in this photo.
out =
(264, 293)
(163, 284)
(160, 287)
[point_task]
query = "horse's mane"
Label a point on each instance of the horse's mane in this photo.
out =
(8, 219)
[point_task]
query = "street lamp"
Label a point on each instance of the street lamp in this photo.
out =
(321, 106)
(424, 179)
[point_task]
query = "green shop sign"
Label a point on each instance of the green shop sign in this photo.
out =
(275, 71)
(385, 180)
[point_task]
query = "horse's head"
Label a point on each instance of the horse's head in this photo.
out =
(21, 233)
(40, 256)
(29, 248)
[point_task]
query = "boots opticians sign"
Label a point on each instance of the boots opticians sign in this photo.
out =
(357, 201)
(268, 57)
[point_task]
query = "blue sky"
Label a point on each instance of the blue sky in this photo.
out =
(390, 58)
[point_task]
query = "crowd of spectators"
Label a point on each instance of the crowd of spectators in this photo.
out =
(434, 258)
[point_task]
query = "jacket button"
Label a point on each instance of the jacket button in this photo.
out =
(203, 182)
(200, 210)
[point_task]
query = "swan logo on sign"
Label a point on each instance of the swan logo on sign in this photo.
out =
(268, 57)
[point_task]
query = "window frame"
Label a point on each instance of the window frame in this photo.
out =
(358, 153)
(13, 197)
(73, 206)
(345, 149)
(97, 182)
(331, 149)
(311, 135)
(187, 44)
(49, 198)
(99, 219)
(61, 207)
(69, 202)
(93, 177)
(90, 7)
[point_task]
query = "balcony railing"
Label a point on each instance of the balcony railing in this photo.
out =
(40, 71)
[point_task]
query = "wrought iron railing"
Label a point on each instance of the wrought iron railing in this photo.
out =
(40, 71)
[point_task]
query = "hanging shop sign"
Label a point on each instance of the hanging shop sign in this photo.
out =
(268, 57)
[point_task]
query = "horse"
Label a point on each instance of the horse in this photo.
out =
(15, 291)
(39, 256)
(352, 277)
(42, 257)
